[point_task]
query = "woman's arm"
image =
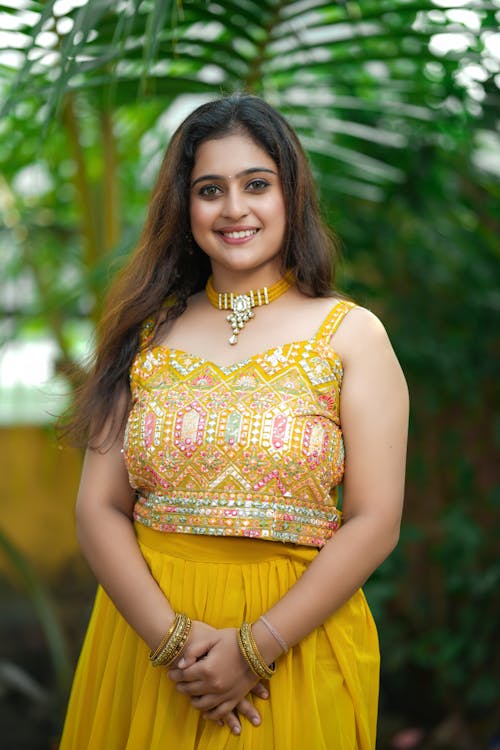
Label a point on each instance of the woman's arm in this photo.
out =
(374, 417)
(108, 541)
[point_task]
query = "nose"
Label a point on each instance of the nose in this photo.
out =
(235, 205)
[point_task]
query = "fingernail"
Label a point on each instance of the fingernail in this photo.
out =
(182, 663)
(256, 721)
(236, 730)
(265, 694)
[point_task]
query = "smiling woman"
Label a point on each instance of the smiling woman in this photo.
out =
(239, 220)
(208, 505)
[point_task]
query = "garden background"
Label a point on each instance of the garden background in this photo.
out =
(397, 104)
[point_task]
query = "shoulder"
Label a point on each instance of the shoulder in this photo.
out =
(359, 326)
(362, 338)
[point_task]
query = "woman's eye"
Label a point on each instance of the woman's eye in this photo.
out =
(209, 191)
(258, 184)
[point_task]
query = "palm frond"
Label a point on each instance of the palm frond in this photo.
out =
(352, 77)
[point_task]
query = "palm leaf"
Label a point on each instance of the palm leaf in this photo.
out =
(352, 77)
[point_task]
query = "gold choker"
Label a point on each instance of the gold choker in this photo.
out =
(241, 305)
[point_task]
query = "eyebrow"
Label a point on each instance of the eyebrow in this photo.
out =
(251, 170)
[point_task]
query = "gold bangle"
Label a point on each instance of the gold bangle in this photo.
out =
(251, 653)
(173, 642)
(154, 654)
(247, 655)
(270, 669)
(175, 645)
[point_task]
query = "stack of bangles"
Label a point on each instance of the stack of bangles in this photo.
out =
(172, 645)
(251, 653)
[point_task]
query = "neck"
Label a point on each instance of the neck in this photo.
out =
(240, 282)
(236, 280)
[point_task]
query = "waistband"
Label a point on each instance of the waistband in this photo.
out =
(221, 549)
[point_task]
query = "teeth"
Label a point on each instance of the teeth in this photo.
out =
(239, 235)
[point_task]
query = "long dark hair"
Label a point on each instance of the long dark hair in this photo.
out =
(168, 263)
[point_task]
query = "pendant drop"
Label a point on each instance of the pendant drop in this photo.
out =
(241, 305)
(241, 313)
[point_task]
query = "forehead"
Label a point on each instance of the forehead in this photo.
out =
(229, 155)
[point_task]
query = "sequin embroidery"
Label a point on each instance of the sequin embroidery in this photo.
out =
(254, 449)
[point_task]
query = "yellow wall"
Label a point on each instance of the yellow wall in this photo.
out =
(38, 485)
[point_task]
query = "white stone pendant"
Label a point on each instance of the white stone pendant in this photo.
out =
(240, 315)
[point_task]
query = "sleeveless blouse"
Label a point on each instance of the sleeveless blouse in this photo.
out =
(254, 449)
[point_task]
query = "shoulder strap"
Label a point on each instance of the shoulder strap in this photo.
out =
(333, 320)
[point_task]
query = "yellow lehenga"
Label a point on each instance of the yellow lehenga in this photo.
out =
(236, 471)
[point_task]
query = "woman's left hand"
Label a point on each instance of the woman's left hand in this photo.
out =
(244, 708)
(217, 682)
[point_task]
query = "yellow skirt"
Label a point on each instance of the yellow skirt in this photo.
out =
(324, 694)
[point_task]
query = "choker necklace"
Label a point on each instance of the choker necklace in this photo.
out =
(241, 305)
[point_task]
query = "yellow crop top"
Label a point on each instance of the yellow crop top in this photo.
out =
(254, 449)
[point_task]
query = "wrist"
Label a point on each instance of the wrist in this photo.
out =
(158, 629)
(173, 642)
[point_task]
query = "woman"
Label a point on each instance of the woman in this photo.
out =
(217, 416)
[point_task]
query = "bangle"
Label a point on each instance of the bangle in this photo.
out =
(275, 633)
(172, 644)
(251, 653)
(154, 654)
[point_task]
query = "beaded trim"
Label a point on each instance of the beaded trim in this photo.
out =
(262, 516)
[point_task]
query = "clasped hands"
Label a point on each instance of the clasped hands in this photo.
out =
(212, 672)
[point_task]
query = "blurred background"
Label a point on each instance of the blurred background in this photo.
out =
(397, 104)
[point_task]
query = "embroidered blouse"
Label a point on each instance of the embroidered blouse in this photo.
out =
(254, 449)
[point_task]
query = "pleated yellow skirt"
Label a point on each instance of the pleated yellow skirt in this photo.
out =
(324, 694)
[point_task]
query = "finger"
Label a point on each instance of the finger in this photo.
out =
(191, 688)
(175, 674)
(191, 655)
(194, 651)
(232, 722)
(247, 709)
(187, 660)
(194, 672)
(208, 703)
(203, 677)
(260, 691)
(230, 719)
(221, 711)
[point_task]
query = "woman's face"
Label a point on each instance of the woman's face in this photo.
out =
(237, 207)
